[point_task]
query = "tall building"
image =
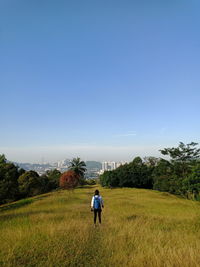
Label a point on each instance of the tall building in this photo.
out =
(105, 166)
(110, 165)
(113, 165)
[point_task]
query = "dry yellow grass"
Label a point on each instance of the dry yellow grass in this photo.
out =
(139, 228)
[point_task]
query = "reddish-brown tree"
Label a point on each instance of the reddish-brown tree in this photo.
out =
(69, 180)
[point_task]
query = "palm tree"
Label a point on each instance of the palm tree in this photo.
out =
(78, 166)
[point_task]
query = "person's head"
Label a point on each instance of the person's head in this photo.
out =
(96, 192)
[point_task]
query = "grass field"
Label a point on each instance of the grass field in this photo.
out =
(139, 228)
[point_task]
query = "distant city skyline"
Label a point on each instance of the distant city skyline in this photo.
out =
(102, 80)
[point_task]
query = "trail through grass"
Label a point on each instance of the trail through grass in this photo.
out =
(139, 228)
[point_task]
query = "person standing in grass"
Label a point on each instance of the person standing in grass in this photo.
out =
(97, 205)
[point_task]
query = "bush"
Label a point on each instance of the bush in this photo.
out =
(69, 180)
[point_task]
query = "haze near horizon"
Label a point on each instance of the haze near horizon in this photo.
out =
(100, 80)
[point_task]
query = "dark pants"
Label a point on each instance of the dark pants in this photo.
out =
(97, 211)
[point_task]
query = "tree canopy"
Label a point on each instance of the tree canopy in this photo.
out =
(183, 153)
(78, 166)
(9, 174)
(178, 175)
(69, 180)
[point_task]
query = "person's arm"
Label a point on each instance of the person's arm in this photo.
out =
(102, 204)
(92, 202)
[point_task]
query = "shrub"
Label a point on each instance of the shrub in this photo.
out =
(69, 180)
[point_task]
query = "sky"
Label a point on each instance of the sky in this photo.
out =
(103, 80)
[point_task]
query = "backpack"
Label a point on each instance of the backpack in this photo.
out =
(97, 203)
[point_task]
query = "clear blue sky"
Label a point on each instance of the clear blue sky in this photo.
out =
(100, 79)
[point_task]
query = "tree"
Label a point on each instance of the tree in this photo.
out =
(164, 177)
(137, 161)
(8, 181)
(69, 180)
(151, 161)
(53, 178)
(183, 152)
(2, 159)
(135, 174)
(191, 184)
(140, 174)
(184, 156)
(79, 167)
(30, 184)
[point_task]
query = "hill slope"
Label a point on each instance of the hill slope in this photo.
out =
(140, 228)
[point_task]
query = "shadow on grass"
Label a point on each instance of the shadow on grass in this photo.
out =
(22, 202)
(5, 217)
(17, 204)
(132, 217)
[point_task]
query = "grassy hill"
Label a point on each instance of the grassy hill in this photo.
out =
(140, 228)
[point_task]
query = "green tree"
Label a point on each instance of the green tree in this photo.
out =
(53, 178)
(30, 184)
(151, 161)
(2, 159)
(163, 176)
(79, 167)
(183, 156)
(183, 153)
(109, 178)
(191, 184)
(173, 176)
(139, 174)
(8, 181)
(134, 174)
(137, 161)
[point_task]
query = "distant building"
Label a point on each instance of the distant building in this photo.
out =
(110, 166)
(59, 164)
(105, 166)
(62, 164)
(113, 165)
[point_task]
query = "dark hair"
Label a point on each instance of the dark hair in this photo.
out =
(96, 192)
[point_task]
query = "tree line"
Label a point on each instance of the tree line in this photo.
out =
(179, 174)
(16, 183)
